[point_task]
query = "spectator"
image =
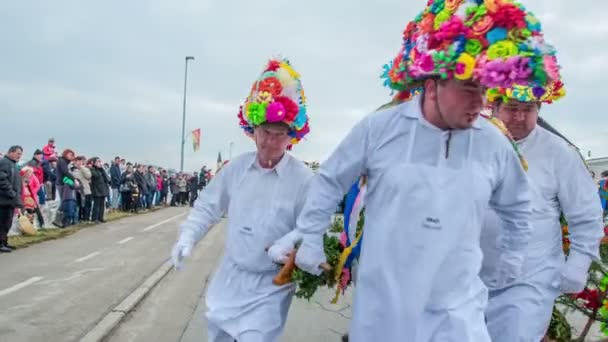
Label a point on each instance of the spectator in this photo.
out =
(49, 149)
(193, 188)
(151, 184)
(100, 185)
(164, 192)
(127, 188)
(29, 194)
(202, 182)
(182, 185)
(115, 181)
(50, 177)
(142, 186)
(10, 194)
(36, 165)
(83, 174)
(66, 187)
(174, 190)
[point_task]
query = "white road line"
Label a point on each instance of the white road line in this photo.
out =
(20, 286)
(125, 240)
(87, 257)
(162, 222)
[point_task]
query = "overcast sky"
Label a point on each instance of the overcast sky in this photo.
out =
(106, 77)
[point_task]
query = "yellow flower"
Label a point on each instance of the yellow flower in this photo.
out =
(502, 49)
(264, 97)
(465, 66)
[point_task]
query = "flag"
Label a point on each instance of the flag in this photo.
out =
(196, 139)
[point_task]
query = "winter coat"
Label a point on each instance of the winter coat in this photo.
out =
(10, 183)
(38, 171)
(115, 176)
(30, 199)
(63, 171)
(84, 176)
(99, 182)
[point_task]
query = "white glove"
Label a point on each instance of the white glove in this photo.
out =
(310, 256)
(179, 252)
(574, 274)
(280, 250)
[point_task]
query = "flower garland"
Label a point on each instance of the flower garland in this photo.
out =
(277, 96)
(497, 42)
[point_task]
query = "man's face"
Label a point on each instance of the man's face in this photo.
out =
(519, 117)
(459, 102)
(70, 156)
(38, 157)
(16, 155)
(271, 140)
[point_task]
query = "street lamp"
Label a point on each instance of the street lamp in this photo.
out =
(181, 165)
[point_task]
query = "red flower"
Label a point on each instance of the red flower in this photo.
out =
(291, 108)
(273, 66)
(242, 121)
(590, 297)
(509, 16)
(271, 85)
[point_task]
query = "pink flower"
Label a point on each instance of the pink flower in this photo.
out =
(451, 29)
(504, 73)
(344, 279)
(275, 112)
(425, 63)
(551, 67)
(343, 239)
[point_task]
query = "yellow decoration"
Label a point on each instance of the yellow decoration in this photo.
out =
(502, 49)
(469, 64)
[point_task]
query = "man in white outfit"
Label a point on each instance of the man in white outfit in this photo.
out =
(561, 184)
(433, 168)
(262, 193)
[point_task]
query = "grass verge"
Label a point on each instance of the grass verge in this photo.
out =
(22, 241)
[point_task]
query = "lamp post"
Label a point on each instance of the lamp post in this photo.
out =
(181, 165)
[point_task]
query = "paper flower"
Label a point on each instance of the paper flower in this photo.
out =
(464, 67)
(275, 112)
(271, 85)
(256, 112)
(290, 107)
(502, 49)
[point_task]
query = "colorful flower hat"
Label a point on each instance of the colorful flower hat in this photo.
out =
(547, 94)
(276, 96)
(496, 42)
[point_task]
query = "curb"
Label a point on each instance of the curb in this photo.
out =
(113, 318)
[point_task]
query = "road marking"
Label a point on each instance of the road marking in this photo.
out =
(125, 240)
(20, 286)
(162, 222)
(87, 257)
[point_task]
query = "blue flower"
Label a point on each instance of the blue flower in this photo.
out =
(496, 35)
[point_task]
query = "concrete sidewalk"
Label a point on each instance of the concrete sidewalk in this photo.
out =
(317, 320)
